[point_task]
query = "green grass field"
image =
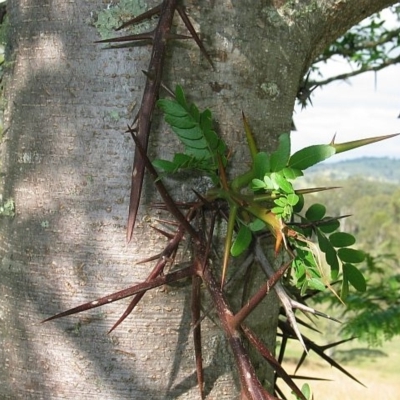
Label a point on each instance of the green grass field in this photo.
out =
(377, 368)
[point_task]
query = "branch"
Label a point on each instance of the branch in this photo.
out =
(384, 64)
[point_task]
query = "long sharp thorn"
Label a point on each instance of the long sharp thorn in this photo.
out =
(168, 235)
(320, 351)
(128, 310)
(152, 258)
(196, 282)
(304, 308)
(122, 294)
(228, 242)
(281, 293)
(202, 198)
(194, 34)
(146, 15)
(149, 99)
(129, 38)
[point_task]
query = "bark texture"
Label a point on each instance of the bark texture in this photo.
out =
(66, 163)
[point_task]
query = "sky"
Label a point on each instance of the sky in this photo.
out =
(352, 110)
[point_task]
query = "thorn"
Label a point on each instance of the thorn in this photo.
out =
(194, 34)
(129, 38)
(201, 198)
(152, 258)
(164, 233)
(146, 15)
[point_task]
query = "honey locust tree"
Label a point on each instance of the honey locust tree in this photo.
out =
(66, 173)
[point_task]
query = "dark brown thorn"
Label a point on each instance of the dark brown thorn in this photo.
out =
(165, 257)
(152, 258)
(128, 310)
(195, 307)
(264, 351)
(241, 315)
(201, 198)
(169, 202)
(129, 38)
(168, 235)
(146, 15)
(150, 96)
(319, 350)
(194, 34)
(167, 222)
(163, 85)
(122, 294)
(303, 377)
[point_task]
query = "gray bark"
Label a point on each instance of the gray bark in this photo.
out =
(67, 163)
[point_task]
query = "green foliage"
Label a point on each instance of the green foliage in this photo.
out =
(372, 315)
(319, 251)
(242, 241)
(203, 148)
(310, 156)
(369, 44)
(306, 390)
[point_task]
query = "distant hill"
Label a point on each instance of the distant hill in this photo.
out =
(381, 169)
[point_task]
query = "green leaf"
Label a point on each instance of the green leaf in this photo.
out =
(315, 212)
(270, 184)
(257, 225)
(258, 184)
(332, 260)
(342, 239)
(277, 210)
(355, 277)
(184, 122)
(292, 199)
(194, 130)
(306, 390)
(242, 241)
(280, 157)
(330, 226)
(323, 242)
(170, 107)
(351, 255)
(292, 173)
(300, 204)
(261, 165)
(281, 201)
(311, 155)
(180, 97)
(283, 184)
(315, 283)
(164, 165)
(344, 290)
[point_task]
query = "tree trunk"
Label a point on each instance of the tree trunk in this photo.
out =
(66, 164)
